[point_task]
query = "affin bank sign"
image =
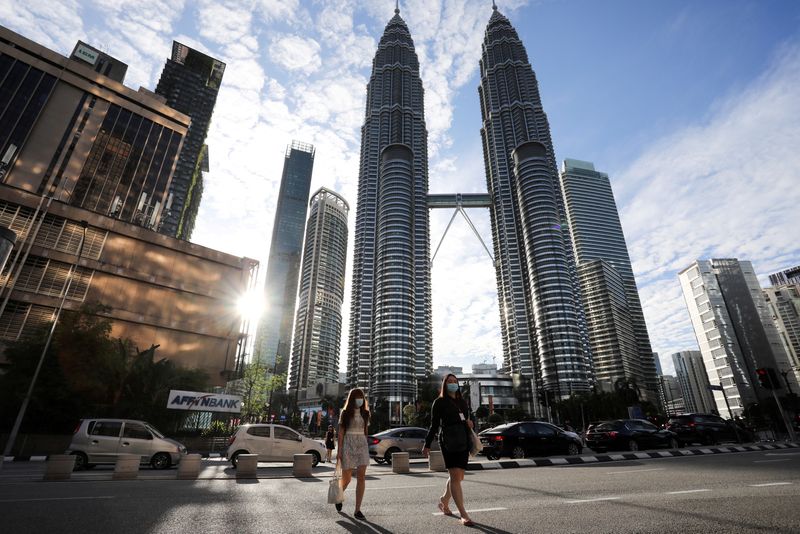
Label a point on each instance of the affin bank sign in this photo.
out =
(204, 402)
(85, 53)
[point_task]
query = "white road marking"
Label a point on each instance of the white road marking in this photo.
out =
(56, 499)
(589, 459)
(594, 500)
(478, 510)
(686, 491)
(767, 461)
(642, 455)
(559, 461)
(782, 454)
(633, 471)
(403, 487)
(770, 484)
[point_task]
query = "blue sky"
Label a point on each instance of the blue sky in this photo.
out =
(692, 107)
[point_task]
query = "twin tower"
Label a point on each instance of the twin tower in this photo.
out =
(543, 329)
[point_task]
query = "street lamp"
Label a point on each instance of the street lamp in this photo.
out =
(12, 437)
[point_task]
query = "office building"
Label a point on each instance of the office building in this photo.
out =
(541, 317)
(693, 380)
(788, 276)
(671, 395)
(79, 146)
(190, 82)
(597, 233)
(784, 307)
(99, 61)
(318, 325)
(734, 329)
(274, 337)
(390, 340)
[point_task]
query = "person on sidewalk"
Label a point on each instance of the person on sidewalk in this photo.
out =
(353, 449)
(329, 443)
(450, 420)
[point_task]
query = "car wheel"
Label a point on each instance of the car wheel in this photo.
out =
(235, 457)
(674, 444)
(161, 460)
(81, 461)
(573, 449)
(518, 452)
(633, 446)
(388, 456)
(315, 458)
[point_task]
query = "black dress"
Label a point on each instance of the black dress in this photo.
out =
(447, 411)
(329, 441)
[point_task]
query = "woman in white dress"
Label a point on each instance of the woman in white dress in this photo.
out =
(353, 449)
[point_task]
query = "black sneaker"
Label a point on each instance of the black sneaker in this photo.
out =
(338, 507)
(359, 515)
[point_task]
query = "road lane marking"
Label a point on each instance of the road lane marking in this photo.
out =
(633, 471)
(478, 510)
(593, 500)
(782, 454)
(767, 461)
(686, 491)
(404, 487)
(56, 499)
(770, 484)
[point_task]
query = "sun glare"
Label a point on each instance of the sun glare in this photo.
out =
(251, 306)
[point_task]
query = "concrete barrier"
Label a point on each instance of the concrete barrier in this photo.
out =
(301, 468)
(246, 465)
(59, 467)
(436, 461)
(189, 467)
(400, 462)
(127, 467)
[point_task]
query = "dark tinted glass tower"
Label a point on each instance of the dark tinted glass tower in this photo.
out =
(274, 336)
(390, 322)
(541, 318)
(597, 234)
(190, 82)
(318, 326)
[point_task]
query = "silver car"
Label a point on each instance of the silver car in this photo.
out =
(99, 441)
(408, 439)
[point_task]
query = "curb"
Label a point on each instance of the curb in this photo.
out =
(575, 460)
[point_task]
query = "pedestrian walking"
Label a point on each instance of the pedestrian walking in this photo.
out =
(329, 444)
(353, 449)
(450, 420)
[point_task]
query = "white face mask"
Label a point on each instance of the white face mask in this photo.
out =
(359, 403)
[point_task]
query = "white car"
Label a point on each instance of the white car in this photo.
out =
(273, 443)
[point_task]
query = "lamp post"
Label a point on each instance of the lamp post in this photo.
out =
(12, 437)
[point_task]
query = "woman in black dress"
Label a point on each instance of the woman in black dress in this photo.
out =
(451, 414)
(329, 442)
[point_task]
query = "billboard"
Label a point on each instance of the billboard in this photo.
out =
(203, 402)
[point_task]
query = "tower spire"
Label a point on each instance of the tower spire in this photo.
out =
(397, 7)
(494, 5)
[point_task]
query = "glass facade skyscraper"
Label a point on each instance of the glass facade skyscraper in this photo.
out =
(597, 235)
(541, 318)
(274, 335)
(190, 82)
(693, 379)
(390, 322)
(318, 324)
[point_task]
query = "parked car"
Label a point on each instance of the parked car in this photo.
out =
(408, 439)
(707, 429)
(629, 434)
(273, 443)
(536, 438)
(100, 441)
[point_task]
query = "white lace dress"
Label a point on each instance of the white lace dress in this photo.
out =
(355, 451)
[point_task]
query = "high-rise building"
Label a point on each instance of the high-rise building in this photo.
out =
(657, 362)
(85, 166)
(190, 82)
(318, 325)
(597, 233)
(670, 395)
(734, 329)
(274, 336)
(784, 306)
(788, 276)
(693, 380)
(390, 323)
(541, 317)
(99, 61)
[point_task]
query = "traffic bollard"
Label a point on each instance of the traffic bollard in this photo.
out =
(127, 467)
(301, 468)
(189, 467)
(400, 462)
(246, 466)
(59, 467)
(436, 461)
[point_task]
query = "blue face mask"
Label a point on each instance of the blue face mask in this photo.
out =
(452, 387)
(359, 403)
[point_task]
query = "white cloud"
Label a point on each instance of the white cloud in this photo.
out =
(296, 53)
(56, 24)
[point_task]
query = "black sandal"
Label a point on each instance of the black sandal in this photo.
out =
(359, 515)
(338, 507)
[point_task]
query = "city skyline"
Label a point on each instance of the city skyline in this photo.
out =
(665, 118)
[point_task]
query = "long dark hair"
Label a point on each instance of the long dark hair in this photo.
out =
(443, 389)
(349, 409)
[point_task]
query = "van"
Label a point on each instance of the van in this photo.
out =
(100, 441)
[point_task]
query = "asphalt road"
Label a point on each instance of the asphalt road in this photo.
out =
(741, 492)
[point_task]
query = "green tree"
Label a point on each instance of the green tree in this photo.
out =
(255, 390)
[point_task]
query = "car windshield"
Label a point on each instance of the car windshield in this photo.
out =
(386, 432)
(154, 430)
(604, 427)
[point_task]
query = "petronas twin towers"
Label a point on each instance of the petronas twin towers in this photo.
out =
(542, 323)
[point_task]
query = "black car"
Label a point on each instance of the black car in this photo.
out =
(518, 440)
(707, 429)
(630, 435)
